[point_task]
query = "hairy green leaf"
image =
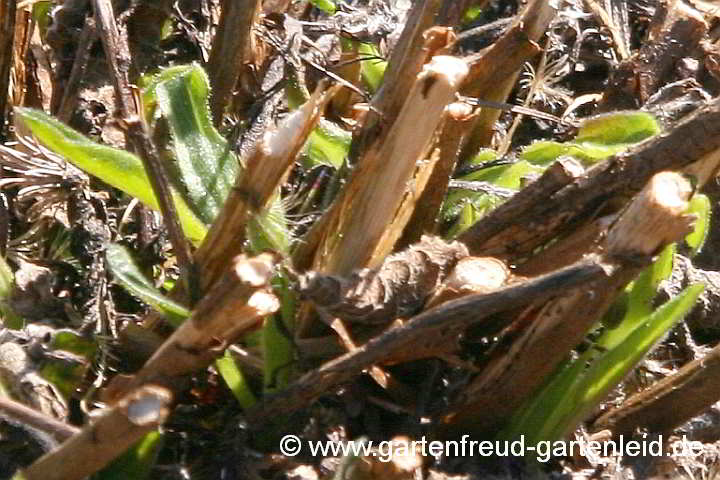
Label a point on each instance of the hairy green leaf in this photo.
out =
(115, 167)
(128, 274)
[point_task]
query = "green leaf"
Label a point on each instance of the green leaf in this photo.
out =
(372, 69)
(207, 166)
(128, 274)
(277, 347)
(700, 206)
(9, 318)
(115, 167)
(615, 364)
(70, 341)
(598, 138)
(327, 6)
(235, 380)
(575, 390)
(618, 128)
(269, 230)
(137, 462)
(328, 144)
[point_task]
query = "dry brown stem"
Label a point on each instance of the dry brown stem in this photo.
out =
(513, 374)
(359, 218)
(675, 32)
(670, 402)
(117, 54)
(235, 305)
(230, 51)
(18, 412)
(8, 9)
(398, 288)
(426, 208)
(494, 72)
(105, 438)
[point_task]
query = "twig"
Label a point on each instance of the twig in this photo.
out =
(68, 92)
(8, 9)
(355, 225)
(405, 63)
(230, 50)
(105, 438)
(424, 218)
(18, 412)
(670, 402)
(424, 332)
(235, 305)
(118, 57)
(493, 73)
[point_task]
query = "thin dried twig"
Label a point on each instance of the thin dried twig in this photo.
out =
(118, 57)
(670, 402)
(65, 96)
(263, 173)
(18, 412)
(355, 225)
(8, 9)
(494, 72)
(230, 50)
(105, 438)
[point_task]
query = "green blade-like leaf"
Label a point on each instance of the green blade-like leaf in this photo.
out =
(129, 276)
(641, 294)
(115, 167)
(207, 166)
(700, 206)
(576, 389)
(615, 364)
(235, 380)
(328, 144)
(598, 138)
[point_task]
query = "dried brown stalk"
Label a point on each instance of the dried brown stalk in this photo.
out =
(670, 402)
(513, 374)
(235, 305)
(357, 221)
(230, 51)
(424, 218)
(257, 183)
(406, 61)
(424, 332)
(8, 9)
(519, 226)
(494, 73)
(60, 431)
(398, 288)
(118, 58)
(65, 95)
(105, 438)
